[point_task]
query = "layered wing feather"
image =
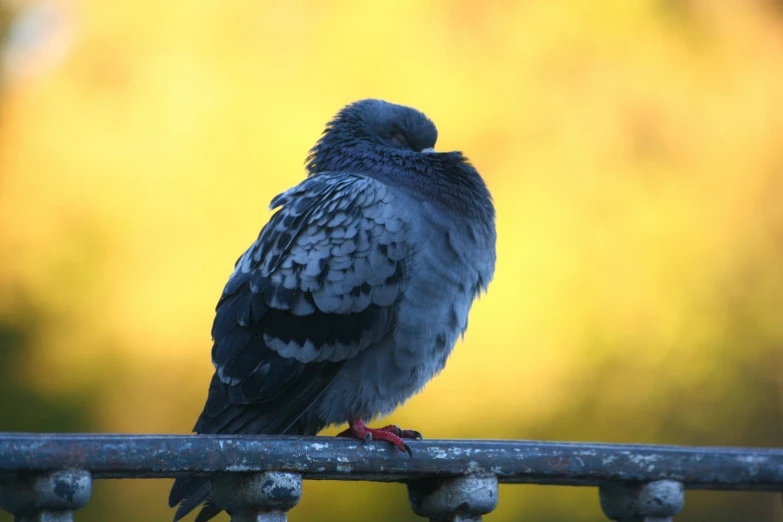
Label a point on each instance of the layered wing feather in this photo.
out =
(317, 286)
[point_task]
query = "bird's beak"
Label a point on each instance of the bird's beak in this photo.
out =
(429, 150)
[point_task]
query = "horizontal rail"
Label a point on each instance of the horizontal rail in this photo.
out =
(578, 464)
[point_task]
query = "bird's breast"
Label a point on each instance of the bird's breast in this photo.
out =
(450, 259)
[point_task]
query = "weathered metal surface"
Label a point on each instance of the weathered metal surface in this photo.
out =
(257, 497)
(460, 499)
(120, 456)
(44, 497)
(656, 501)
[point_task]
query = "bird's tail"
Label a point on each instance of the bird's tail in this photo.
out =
(221, 416)
(189, 493)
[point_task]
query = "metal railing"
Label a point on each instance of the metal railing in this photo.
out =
(45, 477)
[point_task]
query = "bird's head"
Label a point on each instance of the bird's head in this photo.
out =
(395, 145)
(371, 124)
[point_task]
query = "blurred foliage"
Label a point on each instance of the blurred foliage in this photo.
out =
(633, 149)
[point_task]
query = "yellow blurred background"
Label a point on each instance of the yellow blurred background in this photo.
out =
(633, 149)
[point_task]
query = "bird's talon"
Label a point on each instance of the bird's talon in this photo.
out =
(403, 434)
(408, 449)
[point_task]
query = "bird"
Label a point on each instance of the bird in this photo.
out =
(356, 290)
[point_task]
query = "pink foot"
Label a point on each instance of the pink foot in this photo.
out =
(390, 433)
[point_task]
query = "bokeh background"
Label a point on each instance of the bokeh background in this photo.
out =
(633, 149)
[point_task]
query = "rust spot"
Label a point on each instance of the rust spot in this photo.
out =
(559, 463)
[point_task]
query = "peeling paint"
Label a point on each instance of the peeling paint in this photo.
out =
(239, 467)
(439, 453)
(642, 459)
(473, 467)
(752, 459)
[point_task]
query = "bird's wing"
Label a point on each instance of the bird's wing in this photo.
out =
(318, 286)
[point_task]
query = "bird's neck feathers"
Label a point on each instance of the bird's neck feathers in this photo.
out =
(445, 177)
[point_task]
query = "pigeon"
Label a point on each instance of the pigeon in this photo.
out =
(356, 290)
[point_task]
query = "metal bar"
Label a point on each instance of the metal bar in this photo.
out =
(657, 501)
(461, 499)
(44, 497)
(139, 456)
(257, 497)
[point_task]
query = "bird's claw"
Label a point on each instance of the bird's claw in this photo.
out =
(411, 434)
(395, 436)
(408, 449)
(390, 433)
(403, 434)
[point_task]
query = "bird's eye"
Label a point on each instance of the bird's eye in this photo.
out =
(399, 139)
